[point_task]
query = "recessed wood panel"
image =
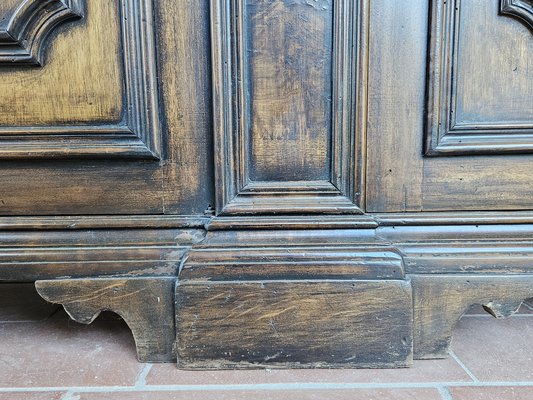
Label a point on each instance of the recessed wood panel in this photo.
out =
(71, 87)
(288, 77)
(289, 96)
(96, 94)
(480, 88)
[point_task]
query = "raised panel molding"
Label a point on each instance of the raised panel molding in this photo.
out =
(444, 135)
(24, 32)
(137, 135)
(522, 9)
(238, 192)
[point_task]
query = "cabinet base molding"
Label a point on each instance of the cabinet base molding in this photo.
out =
(329, 298)
(302, 299)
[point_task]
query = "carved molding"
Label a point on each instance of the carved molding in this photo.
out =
(444, 135)
(23, 34)
(522, 9)
(137, 135)
(238, 193)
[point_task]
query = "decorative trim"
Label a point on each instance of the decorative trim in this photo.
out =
(444, 136)
(305, 299)
(365, 221)
(30, 255)
(23, 36)
(146, 304)
(77, 222)
(521, 9)
(137, 135)
(343, 193)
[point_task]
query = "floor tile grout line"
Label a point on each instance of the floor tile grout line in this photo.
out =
(445, 393)
(267, 387)
(463, 366)
(140, 382)
(68, 395)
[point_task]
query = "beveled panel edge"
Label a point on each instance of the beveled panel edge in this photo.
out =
(519, 9)
(266, 222)
(76, 222)
(350, 23)
(138, 135)
(29, 255)
(23, 42)
(443, 136)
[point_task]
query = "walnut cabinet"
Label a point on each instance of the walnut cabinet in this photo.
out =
(270, 183)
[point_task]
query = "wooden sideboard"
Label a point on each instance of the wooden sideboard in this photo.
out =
(270, 183)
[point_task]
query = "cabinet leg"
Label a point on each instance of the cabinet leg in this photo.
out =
(146, 304)
(441, 300)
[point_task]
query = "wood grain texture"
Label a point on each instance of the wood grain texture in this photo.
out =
(185, 80)
(486, 249)
(70, 88)
(26, 24)
(284, 324)
(289, 101)
(129, 127)
(249, 299)
(180, 181)
(440, 301)
(521, 9)
(30, 255)
(146, 304)
(399, 177)
(289, 114)
(395, 105)
(472, 111)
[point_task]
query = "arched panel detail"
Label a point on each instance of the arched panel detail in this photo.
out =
(23, 31)
(521, 9)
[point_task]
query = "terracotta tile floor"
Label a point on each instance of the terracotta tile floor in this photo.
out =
(44, 355)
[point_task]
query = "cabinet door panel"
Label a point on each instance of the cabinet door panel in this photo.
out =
(462, 139)
(289, 95)
(93, 119)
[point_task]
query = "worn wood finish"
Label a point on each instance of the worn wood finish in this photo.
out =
(399, 176)
(439, 301)
(30, 255)
(290, 166)
(25, 24)
(146, 304)
(255, 299)
(289, 114)
(135, 134)
(267, 323)
(471, 112)
(109, 110)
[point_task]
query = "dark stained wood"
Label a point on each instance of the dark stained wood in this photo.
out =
(309, 175)
(25, 24)
(30, 255)
(255, 299)
(108, 90)
(470, 110)
(289, 105)
(137, 134)
(441, 300)
(146, 304)
(298, 324)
